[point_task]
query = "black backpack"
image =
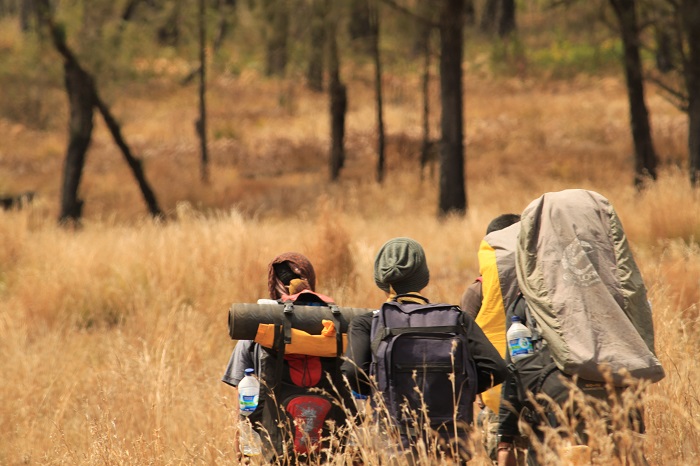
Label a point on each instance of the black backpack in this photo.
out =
(300, 394)
(539, 375)
(420, 346)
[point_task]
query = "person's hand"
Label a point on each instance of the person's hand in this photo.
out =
(506, 456)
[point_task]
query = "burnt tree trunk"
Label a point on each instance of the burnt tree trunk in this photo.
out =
(338, 104)
(425, 146)
(81, 87)
(663, 52)
(453, 198)
(133, 162)
(506, 19)
(277, 13)
(690, 12)
(360, 22)
(81, 106)
(645, 160)
(201, 123)
(373, 7)
(469, 13)
(169, 32)
(489, 16)
(224, 9)
(317, 36)
(26, 13)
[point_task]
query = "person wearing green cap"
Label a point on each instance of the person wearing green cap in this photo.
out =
(401, 271)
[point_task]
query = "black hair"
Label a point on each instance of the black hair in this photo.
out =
(501, 222)
(284, 272)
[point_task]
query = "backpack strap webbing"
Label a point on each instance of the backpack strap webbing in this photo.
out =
(386, 332)
(288, 312)
(335, 318)
(279, 359)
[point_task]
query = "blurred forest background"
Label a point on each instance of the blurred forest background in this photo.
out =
(207, 102)
(112, 334)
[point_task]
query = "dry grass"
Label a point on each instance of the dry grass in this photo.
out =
(113, 338)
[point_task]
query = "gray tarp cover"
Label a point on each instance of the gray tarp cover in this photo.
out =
(576, 270)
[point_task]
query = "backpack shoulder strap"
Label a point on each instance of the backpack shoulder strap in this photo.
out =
(415, 296)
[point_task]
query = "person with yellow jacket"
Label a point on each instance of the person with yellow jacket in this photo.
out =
(486, 300)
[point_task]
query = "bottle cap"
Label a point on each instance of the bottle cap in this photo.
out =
(249, 371)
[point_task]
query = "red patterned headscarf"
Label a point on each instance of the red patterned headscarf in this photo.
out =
(300, 266)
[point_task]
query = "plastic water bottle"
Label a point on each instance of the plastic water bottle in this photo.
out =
(248, 395)
(360, 402)
(519, 340)
(358, 431)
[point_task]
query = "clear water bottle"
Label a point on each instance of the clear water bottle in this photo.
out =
(358, 431)
(248, 395)
(360, 402)
(519, 340)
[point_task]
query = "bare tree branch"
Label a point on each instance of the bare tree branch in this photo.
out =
(674, 96)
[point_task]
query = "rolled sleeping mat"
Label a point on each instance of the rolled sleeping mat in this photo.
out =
(243, 319)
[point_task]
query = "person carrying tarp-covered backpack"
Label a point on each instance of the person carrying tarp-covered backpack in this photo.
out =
(585, 303)
(298, 393)
(427, 360)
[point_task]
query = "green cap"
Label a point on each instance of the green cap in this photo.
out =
(401, 264)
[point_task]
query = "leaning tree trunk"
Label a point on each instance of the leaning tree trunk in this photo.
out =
(133, 162)
(453, 198)
(80, 81)
(690, 10)
(81, 104)
(645, 160)
(373, 7)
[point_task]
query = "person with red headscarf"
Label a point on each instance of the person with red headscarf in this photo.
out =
(288, 274)
(291, 278)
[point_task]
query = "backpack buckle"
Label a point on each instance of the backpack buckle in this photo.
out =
(287, 326)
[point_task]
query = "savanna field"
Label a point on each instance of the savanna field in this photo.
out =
(114, 338)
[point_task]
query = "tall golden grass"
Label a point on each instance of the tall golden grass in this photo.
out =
(114, 337)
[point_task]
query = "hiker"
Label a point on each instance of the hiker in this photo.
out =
(296, 381)
(585, 305)
(473, 296)
(281, 271)
(492, 321)
(413, 347)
